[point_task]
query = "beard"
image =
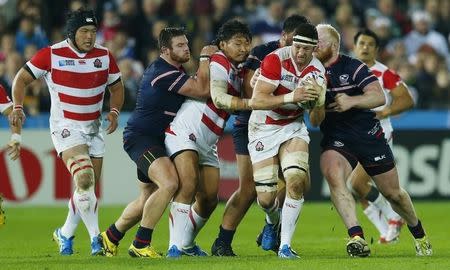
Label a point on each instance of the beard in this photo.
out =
(180, 59)
(324, 55)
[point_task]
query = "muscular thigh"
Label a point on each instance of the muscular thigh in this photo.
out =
(144, 151)
(186, 163)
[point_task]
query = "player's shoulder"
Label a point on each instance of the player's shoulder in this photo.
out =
(349, 60)
(262, 50)
(317, 64)
(221, 59)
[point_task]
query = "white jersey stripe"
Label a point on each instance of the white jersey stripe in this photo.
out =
(163, 75)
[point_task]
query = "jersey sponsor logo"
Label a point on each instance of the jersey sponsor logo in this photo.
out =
(378, 158)
(67, 62)
(259, 146)
(287, 77)
(82, 62)
(97, 63)
(338, 144)
(344, 79)
(65, 133)
(192, 137)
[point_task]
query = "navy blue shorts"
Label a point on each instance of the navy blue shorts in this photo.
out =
(375, 155)
(143, 150)
(240, 139)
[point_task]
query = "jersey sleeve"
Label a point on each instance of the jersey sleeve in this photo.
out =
(391, 79)
(271, 69)
(40, 63)
(113, 71)
(170, 80)
(362, 76)
(5, 101)
(219, 68)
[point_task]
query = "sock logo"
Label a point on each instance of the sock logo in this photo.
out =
(183, 211)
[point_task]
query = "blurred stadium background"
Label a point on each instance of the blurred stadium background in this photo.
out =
(415, 36)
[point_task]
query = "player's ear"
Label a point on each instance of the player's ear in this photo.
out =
(221, 45)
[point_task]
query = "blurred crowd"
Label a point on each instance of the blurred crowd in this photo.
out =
(414, 35)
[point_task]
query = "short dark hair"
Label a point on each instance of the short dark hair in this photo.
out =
(293, 21)
(166, 35)
(367, 32)
(230, 29)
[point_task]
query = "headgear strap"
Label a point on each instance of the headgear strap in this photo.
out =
(304, 40)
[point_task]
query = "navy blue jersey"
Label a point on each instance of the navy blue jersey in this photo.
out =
(348, 75)
(158, 100)
(253, 62)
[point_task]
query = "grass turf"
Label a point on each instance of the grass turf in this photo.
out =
(320, 238)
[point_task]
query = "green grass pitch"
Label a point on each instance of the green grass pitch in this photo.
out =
(320, 238)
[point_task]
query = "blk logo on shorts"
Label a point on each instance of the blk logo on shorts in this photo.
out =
(380, 158)
(259, 146)
(338, 144)
(192, 137)
(65, 133)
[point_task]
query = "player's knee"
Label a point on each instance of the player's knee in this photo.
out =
(295, 170)
(187, 189)
(295, 188)
(266, 200)
(82, 171)
(393, 195)
(169, 185)
(266, 179)
(85, 181)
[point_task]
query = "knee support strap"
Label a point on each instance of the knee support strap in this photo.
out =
(79, 165)
(295, 163)
(266, 178)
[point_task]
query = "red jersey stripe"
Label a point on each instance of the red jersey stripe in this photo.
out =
(80, 100)
(280, 122)
(80, 80)
(221, 113)
(212, 126)
(308, 70)
(281, 90)
(284, 112)
(222, 60)
(81, 116)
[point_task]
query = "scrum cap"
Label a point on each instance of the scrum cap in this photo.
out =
(78, 19)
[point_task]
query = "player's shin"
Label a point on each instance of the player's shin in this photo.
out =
(193, 227)
(178, 219)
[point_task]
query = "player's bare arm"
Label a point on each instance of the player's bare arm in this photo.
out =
(373, 97)
(21, 81)
(14, 143)
(263, 98)
(116, 102)
(198, 87)
(401, 101)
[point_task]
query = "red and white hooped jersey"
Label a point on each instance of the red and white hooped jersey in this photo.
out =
(76, 82)
(204, 118)
(5, 101)
(389, 80)
(278, 68)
